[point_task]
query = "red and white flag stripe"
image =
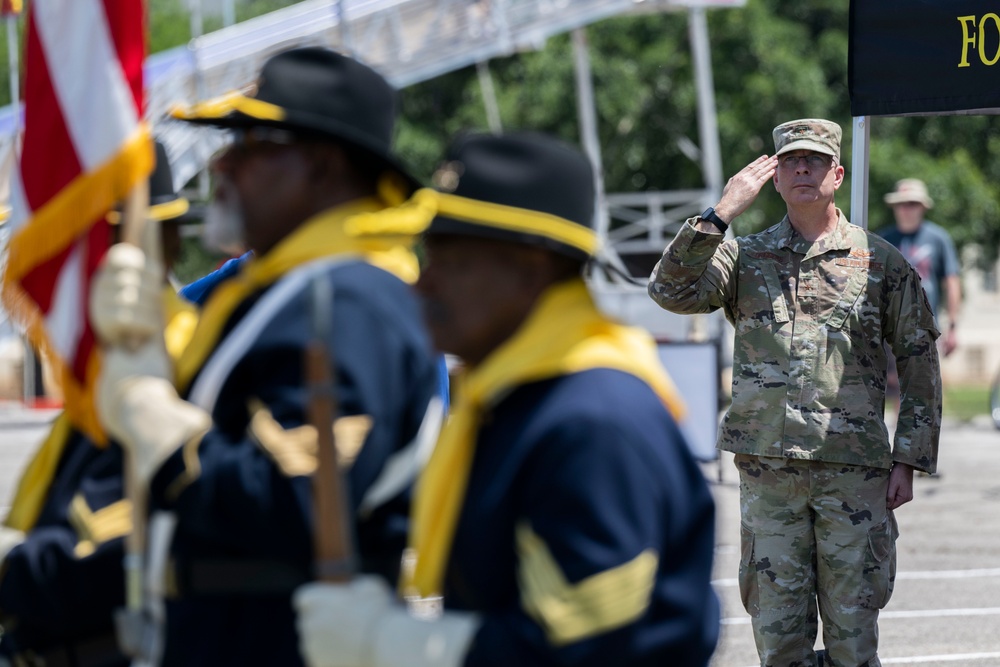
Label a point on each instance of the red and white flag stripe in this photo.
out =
(85, 146)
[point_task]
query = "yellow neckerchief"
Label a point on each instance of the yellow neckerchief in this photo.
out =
(564, 334)
(381, 236)
(33, 487)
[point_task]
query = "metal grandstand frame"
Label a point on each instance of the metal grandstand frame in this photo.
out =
(410, 41)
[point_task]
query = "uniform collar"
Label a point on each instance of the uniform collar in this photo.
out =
(844, 237)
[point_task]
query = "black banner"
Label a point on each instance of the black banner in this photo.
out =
(924, 57)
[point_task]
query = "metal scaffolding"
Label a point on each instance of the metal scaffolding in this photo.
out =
(410, 41)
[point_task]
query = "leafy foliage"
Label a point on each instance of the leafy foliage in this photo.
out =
(773, 60)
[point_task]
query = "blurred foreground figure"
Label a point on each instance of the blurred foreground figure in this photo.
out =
(310, 183)
(561, 516)
(62, 542)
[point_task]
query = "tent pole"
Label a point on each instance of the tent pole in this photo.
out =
(589, 136)
(708, 126)
(489, 94)
(859, 170)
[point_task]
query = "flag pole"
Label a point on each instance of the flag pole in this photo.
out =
(15, 71)
(134, 230)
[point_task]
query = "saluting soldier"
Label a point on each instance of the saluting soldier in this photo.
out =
(818, 304)
(561, 516)
(310, 183)
(61, 545)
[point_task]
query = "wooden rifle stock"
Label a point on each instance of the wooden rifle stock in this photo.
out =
(332, 515)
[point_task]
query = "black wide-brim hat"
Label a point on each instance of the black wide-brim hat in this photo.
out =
(165, 205)
(317, 92)
(522, 187)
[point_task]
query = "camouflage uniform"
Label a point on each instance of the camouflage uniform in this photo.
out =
(806, 421)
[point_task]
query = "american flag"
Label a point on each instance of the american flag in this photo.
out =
(85, 146)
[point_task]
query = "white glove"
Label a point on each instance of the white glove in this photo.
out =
(140, 408)
(359, 625)
(126, 306)
(9, 538)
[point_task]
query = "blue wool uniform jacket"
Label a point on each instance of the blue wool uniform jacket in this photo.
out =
(589, 471)
(62, 584)
(244, 538)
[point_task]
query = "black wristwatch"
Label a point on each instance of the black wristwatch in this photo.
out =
(711, 216)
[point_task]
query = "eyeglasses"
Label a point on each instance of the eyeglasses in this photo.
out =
(813, 161)
(248, 138)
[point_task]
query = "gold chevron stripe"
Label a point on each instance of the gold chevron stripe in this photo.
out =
(294, 450)
(572, 612)
(95, 528)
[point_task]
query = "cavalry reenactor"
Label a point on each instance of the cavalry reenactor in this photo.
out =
(561, 518)
(62, 541)
(309, 182)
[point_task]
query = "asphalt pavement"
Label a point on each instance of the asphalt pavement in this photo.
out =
(945, 611)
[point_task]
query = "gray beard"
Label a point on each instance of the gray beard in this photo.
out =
(222, 229)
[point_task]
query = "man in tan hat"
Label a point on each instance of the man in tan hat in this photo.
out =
(930, 250)
(818, 304)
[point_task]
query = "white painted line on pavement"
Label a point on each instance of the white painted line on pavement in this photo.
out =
(956, 657)
(950, 574)
(981, 573)
(936, 613)
(916, 613)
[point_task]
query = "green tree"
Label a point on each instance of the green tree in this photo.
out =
(773, 60)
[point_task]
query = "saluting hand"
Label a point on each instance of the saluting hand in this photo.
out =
(742, 189)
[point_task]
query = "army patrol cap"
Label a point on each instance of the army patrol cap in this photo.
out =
(909, 190)
(522, 187)
(808, 134)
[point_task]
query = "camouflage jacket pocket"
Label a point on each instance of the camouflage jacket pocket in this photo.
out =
(761, 301)
(852, 300)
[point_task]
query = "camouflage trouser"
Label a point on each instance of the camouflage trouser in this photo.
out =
(815, 532)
